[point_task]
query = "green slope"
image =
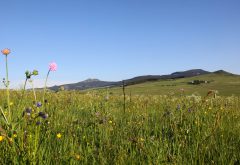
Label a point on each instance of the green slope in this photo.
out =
(225, 84)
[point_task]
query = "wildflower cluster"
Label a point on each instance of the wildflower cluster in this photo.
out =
(30, 115)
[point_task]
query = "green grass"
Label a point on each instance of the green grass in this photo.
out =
(95, 130)
(225, 84)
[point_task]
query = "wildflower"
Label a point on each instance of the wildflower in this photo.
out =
(41, 114)
(6, 51)
(110, 122)
(28, 110)
(38, 123)
(39, 104)
(142, 140)
(59, 135)
(52, 66)
(14, 135)
(11, 103)
(11, 140)
(1, 138)
(78, 157)
(45, 116)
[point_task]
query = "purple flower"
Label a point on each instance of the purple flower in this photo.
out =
(39, 104)
(45, 116)
(38, 123)
(28, 110)
(41, 114)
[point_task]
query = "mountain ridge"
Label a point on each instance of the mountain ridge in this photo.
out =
(91, 83)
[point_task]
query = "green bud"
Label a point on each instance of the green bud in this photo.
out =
(35, 72)
(28, 74)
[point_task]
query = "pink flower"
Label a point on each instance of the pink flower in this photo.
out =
(52, 66)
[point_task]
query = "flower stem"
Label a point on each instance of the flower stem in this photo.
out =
(4, 116)
(45, 86)
(34, 93)
(22, 95)
(8, 94)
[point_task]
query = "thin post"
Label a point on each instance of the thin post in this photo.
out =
(124, 96)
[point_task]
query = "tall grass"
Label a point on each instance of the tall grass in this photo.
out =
(92, 128)
(153, 130)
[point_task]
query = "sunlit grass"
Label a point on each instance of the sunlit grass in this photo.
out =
(97, 127)
(88, 129)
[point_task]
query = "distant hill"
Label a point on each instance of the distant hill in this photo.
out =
(222, 72)
(95, 83)
(86, 84)
(227, 84)
(175, 75)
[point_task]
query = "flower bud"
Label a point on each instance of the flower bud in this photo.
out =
(35, 72)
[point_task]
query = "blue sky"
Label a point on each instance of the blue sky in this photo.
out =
(118, 39)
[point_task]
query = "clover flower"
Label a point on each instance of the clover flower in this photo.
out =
(52, 66)
(6, 51)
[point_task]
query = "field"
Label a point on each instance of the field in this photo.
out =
(226, 85)
(95, 128)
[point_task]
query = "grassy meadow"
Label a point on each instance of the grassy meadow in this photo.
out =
(150, 123)
(95, 128)
(226, 85)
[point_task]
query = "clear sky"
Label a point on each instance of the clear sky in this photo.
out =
(118, 39)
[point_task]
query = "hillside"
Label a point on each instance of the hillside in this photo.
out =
(95, 83)
(194, 81)
(225, 83)
(87, 84)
